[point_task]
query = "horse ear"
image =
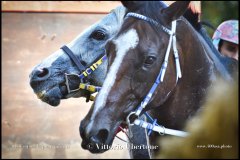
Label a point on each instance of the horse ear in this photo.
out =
(131, 5)
(175, 10)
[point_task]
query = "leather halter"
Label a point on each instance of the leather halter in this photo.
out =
(85, 71)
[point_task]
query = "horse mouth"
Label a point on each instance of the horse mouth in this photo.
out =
(41, 94)
(52, 95)
(121, 127)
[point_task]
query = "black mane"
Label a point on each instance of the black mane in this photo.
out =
(193, 19)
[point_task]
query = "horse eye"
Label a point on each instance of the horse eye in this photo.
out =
(150, 60)
(98, 35)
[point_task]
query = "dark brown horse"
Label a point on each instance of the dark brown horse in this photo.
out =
(136, 56)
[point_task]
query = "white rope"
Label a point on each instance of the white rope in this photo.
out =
(160, 129)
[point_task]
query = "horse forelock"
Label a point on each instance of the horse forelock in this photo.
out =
(119, 13)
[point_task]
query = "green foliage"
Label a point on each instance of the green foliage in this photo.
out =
(215, 12)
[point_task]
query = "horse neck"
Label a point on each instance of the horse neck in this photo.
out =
(198, 70)
(197, 74)
(225, 66)
(197, 64)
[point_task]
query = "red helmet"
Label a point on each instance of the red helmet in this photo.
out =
(228, 31)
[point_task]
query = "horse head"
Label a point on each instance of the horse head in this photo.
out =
(135, 57)
(48, 78)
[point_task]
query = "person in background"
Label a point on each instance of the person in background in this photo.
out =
(225, 38)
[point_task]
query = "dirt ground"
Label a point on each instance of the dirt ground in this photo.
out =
(31, 128)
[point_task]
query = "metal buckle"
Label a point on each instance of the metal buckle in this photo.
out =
(130, 124)
(128, 118)
(67, 83)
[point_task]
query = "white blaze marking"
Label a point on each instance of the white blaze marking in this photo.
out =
(126, 41)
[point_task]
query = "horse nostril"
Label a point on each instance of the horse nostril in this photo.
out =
(101, 137)
(41, 72)
(103, 134)
(38, 75)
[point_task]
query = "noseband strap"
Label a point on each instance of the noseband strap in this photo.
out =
(85, 71)
(73, 58)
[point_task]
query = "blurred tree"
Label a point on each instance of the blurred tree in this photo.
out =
(215, 12)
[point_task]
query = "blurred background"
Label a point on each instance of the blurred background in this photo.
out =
(31, 31)
(215, 12)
